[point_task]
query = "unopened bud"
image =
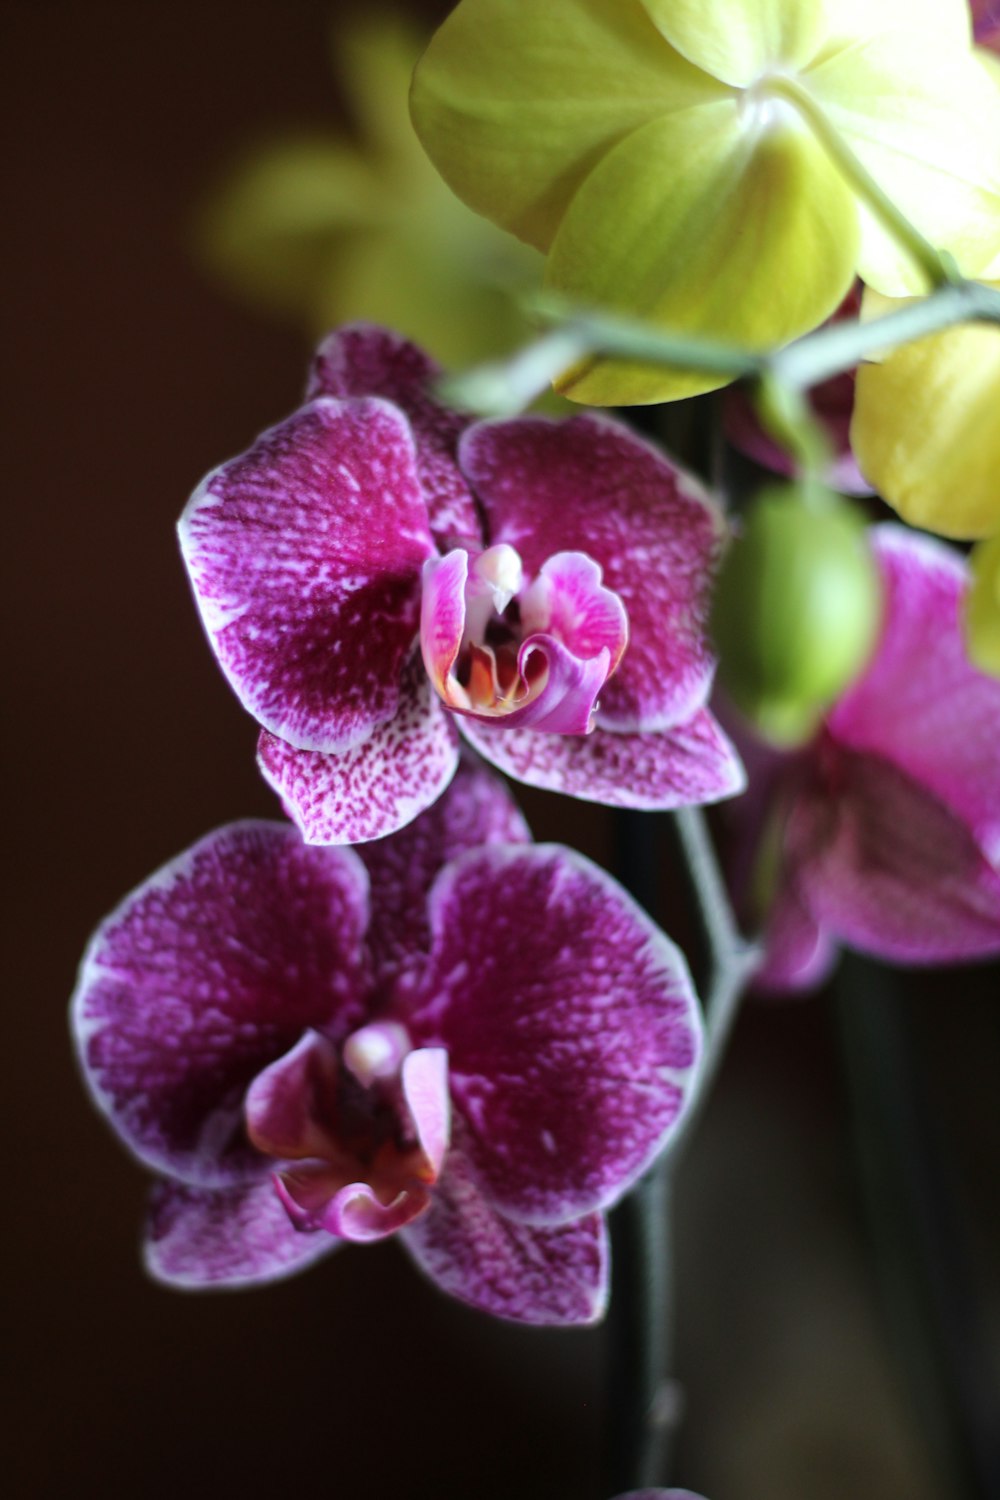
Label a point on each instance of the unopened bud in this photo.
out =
(796, 611)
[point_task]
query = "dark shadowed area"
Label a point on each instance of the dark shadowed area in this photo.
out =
(128, 376)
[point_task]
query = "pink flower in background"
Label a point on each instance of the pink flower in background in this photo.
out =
(832, 402)
(986, 23)
(884, 833)
(450, 1034)
(374, 576)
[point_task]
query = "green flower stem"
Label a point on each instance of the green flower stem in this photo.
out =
(507, 386)
(643, 1400)
(939, 270)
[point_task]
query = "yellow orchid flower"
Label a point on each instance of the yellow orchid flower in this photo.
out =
(982, 607)
(327, 229)
(926, 429)
(691, 163)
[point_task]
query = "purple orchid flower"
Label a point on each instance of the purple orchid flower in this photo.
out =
(375, 574)
(884, 833)
(450, 1034)
(832, 403)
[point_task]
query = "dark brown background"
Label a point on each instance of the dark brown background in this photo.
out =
(127, 376)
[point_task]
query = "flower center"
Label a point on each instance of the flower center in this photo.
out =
(532, 652)
(361, 1135)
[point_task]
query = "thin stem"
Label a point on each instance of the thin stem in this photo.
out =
(508, 386)
(938, 270)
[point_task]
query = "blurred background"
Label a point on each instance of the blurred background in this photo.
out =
(192, 192)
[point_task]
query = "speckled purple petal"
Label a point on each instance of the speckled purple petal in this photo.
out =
(362, 360)
(555, 1276)
(476, 809)
(569, 1019)
(921, 705)
(589, 485)
(305, 556)
(885, 867)
(207, 973)
(198, 1239)
(376, 787)
(694, 763)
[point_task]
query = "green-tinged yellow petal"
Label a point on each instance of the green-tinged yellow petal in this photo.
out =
(924, 119)
(851, 20)
(738, 40)
(455, 295)
(706, 221)
(270, 230)
(982, 607)
(516, 103)
(373, 57)
(926, 431)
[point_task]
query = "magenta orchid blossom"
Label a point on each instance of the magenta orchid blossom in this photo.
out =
(375, 575)
(886, 828)
(451, 1034)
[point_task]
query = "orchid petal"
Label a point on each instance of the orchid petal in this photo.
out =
(362, 360)
(476, 809)
(587, 73)
(203, 976)
(888, 869)
(925, 428)
(232, 1237)
(290, 1104)
(318, 1202)
(921, 705)
(555, 1276)
(739, 40)
(924, 118)
(571, 1027)
(693, 763)
(590, 486)
(376, 787)
(704, 221)
(442, 616)
(305, 556)
(424, 1079)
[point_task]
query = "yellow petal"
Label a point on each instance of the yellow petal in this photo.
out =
(705, 221)
(739, 40)
(516, 103)
(926, 431)
(982, 607)
(924, 119)
(270, 230)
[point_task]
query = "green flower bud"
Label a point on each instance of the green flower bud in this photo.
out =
(982, 607)
(796, 611)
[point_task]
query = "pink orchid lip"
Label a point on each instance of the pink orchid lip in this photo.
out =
(530, 653)
(362, 1134)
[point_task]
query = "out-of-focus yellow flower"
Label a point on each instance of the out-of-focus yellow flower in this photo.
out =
(926, 427)
(982, 607)
(673, 157)
(328, 229)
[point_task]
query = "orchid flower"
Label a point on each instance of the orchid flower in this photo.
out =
(375, 576)
(696, 164)
(453, 1035)
(884, 833)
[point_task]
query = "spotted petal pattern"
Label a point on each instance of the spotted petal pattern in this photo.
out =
(203, 976)
(362, 360)
(572, 1037)
(305, 556)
